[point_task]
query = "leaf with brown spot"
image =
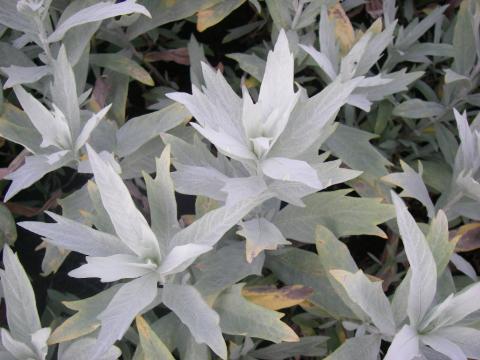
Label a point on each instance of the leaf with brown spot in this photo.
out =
(274, 298)
(467, 237)
(152, 346)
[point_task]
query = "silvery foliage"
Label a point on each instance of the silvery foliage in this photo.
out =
(272, 143)
(418, 320)
(267, 152)
(465, 187)
(359, 60)
(383, 82)
(462, 196)
(25, 337)
(55, 135)
(461, 79)
(145, 255)
(62, 133)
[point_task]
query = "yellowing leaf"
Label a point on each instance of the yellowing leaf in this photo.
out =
(213, 15)
(343, 28)
(377, 26)
(153, 348)
(203, 205)
(273, 298)
(238, 316)
(251, 82)
(467, 237)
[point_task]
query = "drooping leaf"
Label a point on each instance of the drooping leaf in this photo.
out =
(97, 12)
(239, 317)
(341, 214)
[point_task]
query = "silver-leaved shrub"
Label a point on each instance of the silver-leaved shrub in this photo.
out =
(292, 149)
